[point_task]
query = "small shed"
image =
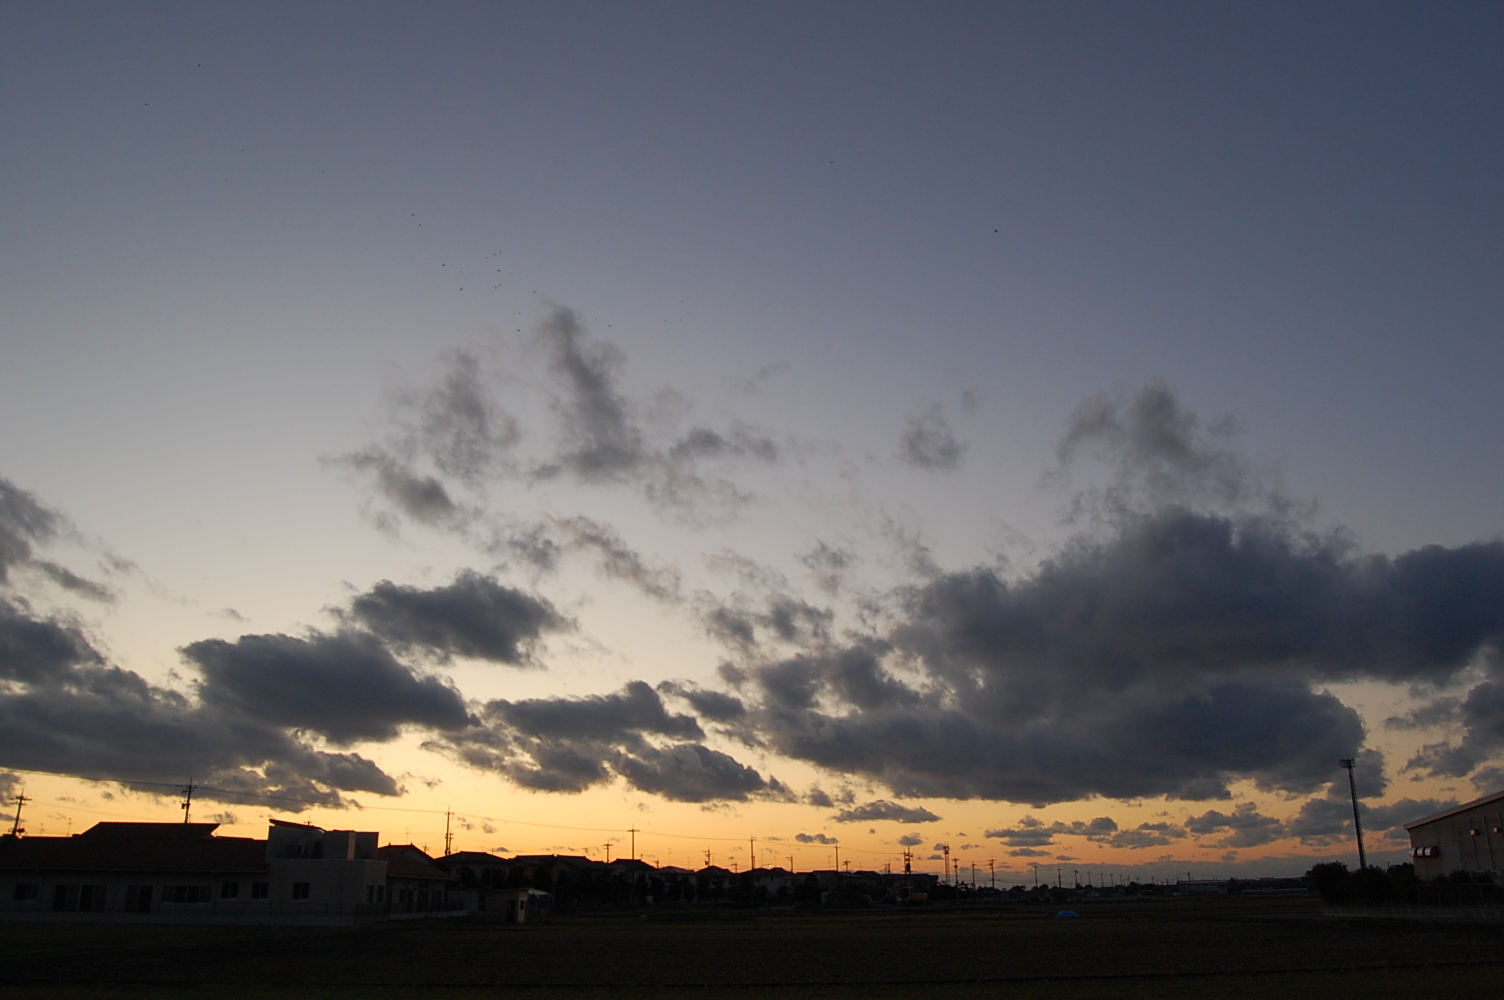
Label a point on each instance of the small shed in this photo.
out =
(1469, 838)
(515, 906)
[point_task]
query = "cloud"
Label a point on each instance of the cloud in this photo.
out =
(72, 582)
(713, 705)
(447, 444)
(929, 443)
(1032, 832)
(882, 809)
(422, 498)
(829, 565)
(346, 687)
(816, 838)
(1179, 652)
(1328, 819)
(1161, 454)
(616, 560)
(474, 617)
(601, 441)
(1245, 826)
(1145, 835)
(570, 744)
(910, 840)
(691, 772)
(24, 522)
(459, 423)
(64, 709)
(1481, 715)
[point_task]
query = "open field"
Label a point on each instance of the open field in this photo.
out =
(1195, 948)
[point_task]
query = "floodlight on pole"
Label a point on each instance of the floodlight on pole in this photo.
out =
(1352, 786)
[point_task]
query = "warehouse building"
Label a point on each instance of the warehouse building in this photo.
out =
(1465, 838)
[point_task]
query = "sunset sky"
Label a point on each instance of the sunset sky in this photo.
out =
(1059, 431)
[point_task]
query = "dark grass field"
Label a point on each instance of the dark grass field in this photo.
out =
(1194, 948)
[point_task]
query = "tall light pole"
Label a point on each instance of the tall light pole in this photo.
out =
(1352, 786)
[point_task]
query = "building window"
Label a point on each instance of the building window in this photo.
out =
(300, 890)
(260, 890)
(27, 891)
(138, 899)
(185, 894)
(229, 890)
(64, 898)
(91, 897)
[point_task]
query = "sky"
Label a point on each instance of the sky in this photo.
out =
(1033, 435)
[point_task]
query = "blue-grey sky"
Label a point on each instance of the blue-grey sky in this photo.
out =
(696, 341)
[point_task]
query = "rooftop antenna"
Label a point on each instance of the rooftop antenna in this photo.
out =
(188, 799)
(1352, 786)
(16, 829)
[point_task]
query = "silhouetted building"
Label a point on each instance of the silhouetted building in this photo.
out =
(1469, 837)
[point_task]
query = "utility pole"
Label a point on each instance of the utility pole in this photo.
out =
(752, 848)
(838, 858)
(992, 872)
(188, 799)
(1352, 786)
(633, 832)
(908, 862)
(946, 848)
(707, 857)
(791, 865)
(608, 850)
(448, 837)
(16, 829)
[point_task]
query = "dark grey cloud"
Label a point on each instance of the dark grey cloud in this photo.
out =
(1032, 832)
(65, 709)
(713, 705)
(928, 442)
(829, 564)
(780, 618)
(601, 439)
(1145, 835)
(570, 744)
(24, 522)
(446, 444)
(882, 809)
(691, 772)
(421, 498)
(474, 617)
(1245, 826)
(346, 687)
(72, 582)
(616, 560)
(460, 425)
(1161, 453)
(1480, 715)
(1179, 652)
(703, 443)
(1328, 819)
(816, 838)
(910, 840)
